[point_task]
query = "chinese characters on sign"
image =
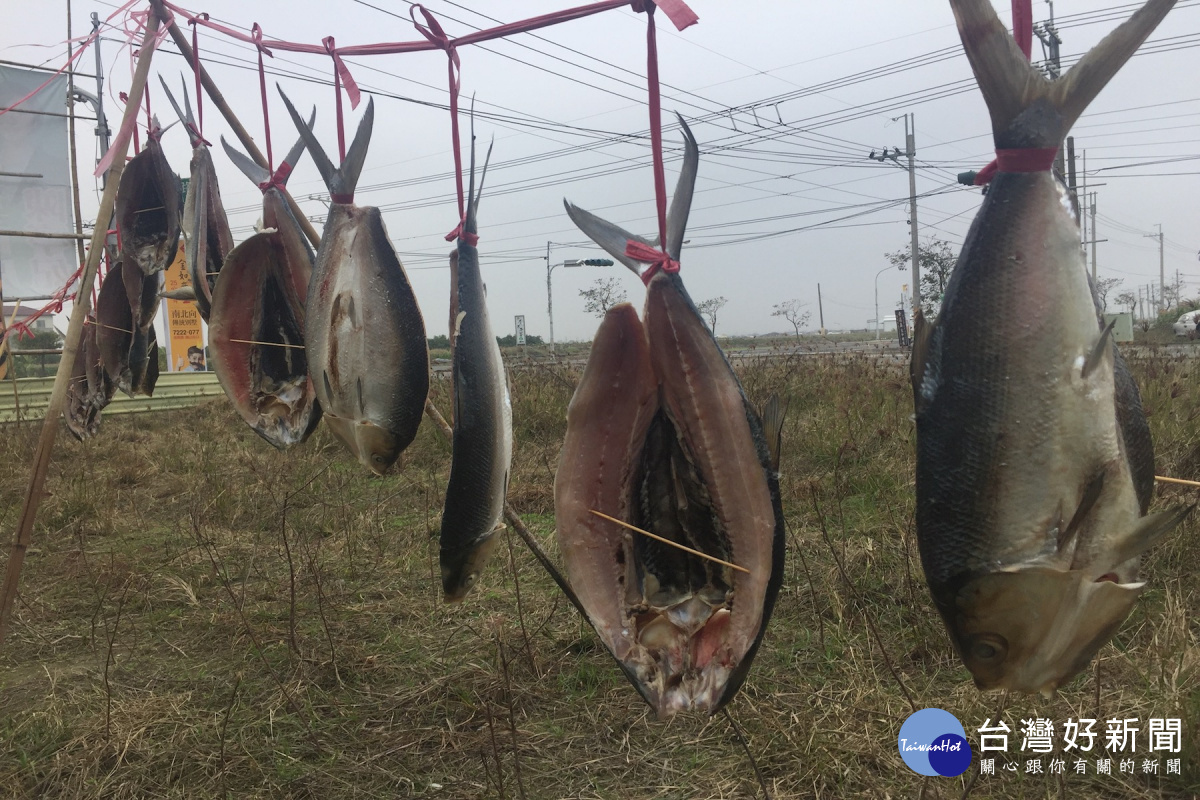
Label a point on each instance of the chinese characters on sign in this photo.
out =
(185, 338)
(1118, 743)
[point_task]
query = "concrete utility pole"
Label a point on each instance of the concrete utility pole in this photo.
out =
(1162, 275)
(910, 146)
(1048, 35)
(820, 309)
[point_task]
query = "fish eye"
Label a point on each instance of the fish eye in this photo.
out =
(989, 647)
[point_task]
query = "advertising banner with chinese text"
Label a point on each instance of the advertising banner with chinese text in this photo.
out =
(185, 336)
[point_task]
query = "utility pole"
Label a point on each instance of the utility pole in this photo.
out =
(1092, 213)
(1048, 35)
(821, 309)
(549, 297)
(1162, 275)
(910, 146)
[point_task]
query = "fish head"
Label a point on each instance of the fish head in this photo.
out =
(376, 447)
(1035, 628)
(461, 569)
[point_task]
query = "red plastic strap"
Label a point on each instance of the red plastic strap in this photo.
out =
(437, 35)
(1022, 13)
(470, 238)
(196, 73)
(279, 178)
(337, 100)
(657, 259)
(343, 72)
(660, 180)
(342, 199)
(256, 36)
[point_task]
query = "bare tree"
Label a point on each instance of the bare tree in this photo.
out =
(1128, 299)
(793, 311)
(603, 295)
(1103, 287)
(709, 309)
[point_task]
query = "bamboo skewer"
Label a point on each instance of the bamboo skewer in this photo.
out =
(185, 47)
(658, 538)
(41, 459)
(1179, 481)
(268, 344)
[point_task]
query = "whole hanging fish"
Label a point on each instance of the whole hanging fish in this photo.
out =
(90, 389)
(482, 419)
(661, 436)
(206, 235)
(257, 325)
(148, 208)
(363, 332)
(1034, 462)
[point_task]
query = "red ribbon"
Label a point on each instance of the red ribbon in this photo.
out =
(196, 73)
(257, 38)
(1022, 160)
(657, 259)
(342, 199)
(437, 35)
(343, 72)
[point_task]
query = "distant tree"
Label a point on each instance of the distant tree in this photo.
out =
(439, 342)
(793, 311)
(1103, 287)
(709, 309)
(1173, 292)
(1128, 299)
(603, 295)
(936, 258)
(511, 340)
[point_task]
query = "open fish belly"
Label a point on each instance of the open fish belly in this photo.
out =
(148, 210)
(114, 328)
(368, 356)
(705, 402)
(607, 421)
(258, 344)
(658, 433)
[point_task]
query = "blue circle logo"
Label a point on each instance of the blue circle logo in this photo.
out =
(933, 742)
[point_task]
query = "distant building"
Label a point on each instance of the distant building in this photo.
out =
(43, 324)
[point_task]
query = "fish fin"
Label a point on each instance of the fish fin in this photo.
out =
(356, 155)
(328, 385)
(329, 173)
(610, 237)
(1101, 347)
(772, 422)
(681, 202)
(1092, 73)
(1148, 531)
(293, 156)
(185, 114)
(362, 406)
(1091, 493)
(458, 324)
(1010, 84)
(182, 293)
(247, 165)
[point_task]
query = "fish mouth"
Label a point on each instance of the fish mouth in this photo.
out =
(1034, 629)
(461, 569)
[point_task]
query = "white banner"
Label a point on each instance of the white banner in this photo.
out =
(34, 145)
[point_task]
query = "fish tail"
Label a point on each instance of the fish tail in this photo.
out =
(339, 180)
(471, 224)
(1010, 84)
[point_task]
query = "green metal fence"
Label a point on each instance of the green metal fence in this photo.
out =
(174, 390)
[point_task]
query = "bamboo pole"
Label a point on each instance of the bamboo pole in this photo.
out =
(83, 303)
(71, 136)
(218, 99)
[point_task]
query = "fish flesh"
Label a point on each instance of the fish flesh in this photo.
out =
(483, 439)
(128, 349)
(363, 333)
(1035, 467)
(257, 325)
(142, 291)
(90, 389)
(148, 208)
(206, 235)
(660, 435)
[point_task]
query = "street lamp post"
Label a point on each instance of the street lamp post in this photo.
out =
(570, 262)
(877, 274)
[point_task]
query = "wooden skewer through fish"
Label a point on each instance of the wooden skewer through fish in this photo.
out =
(268, 344)
(1180, 481)
(658, 538)
(110, 327)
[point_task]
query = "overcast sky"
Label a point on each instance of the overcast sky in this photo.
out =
(785, 98)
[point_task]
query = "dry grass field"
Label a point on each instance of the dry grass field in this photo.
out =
(202, 616)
